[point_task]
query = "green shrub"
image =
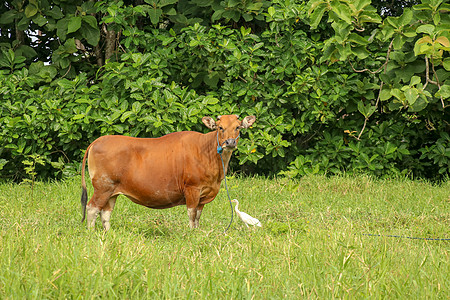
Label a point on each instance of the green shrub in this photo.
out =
(280, 61)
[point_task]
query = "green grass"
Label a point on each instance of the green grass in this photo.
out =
(312, 243)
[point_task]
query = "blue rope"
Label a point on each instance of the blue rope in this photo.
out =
(407, 237)
(219, 151)
(228, 194)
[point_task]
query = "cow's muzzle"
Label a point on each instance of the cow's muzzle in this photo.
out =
(230, 143)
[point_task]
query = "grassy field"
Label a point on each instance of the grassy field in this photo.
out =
(312, 243)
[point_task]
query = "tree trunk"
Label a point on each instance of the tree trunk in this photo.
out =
(98, 55)
(20, 35)
(110, 43)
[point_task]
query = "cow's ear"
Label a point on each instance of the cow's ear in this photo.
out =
(209, 122)
(248, 121)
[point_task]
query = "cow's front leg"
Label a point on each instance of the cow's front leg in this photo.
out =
(192, 196)
(198, 213)
(192, 212)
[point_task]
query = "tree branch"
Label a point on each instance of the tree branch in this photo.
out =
(428, 80)
(438, 84)
(427, 74)
(381, 85)
(384, 65)
(364, 127)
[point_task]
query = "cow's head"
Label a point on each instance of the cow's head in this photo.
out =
(228, 128)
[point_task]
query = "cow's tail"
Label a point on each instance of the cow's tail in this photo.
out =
(83, 184)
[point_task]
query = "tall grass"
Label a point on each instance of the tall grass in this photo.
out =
(312, 243)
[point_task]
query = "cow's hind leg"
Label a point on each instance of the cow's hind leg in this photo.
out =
(106, 211)
(97, 203)
(91, 215)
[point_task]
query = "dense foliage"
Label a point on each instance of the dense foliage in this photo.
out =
(336, 86)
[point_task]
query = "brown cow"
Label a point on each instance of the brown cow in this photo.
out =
(176, 169)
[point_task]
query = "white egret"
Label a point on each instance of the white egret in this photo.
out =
(246, 218)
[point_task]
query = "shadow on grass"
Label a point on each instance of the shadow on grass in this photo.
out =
(152, 228)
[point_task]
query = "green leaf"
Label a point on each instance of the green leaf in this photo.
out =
(356, 38)
(254, 6)
(217, 15)
(385, 94)
(92, 35)
(26, 51)
(237, 54)
(171, 12)
(393, 21)
(271, 11)
(8, 17)
(398, 42)
(368, 16)
(211, 79)
(406, 17)
(342, 31)
(78, 116)
(74, 24)
(419, 105)
(317, 15)
(65, 84)
(427, 28)
(39, 20)
(389, 148)
(125, 116)
(397, 93)
(211, 100)
(163, 3)
(61, 28)
(256, 46)
(411, 95)
(361, 52)
(409, 33)
(69, 46)
(415, 80)
(23, 23)
(342, 11)
(444, 7)
(155, 14)
(422, 7)
(136, 107)
(55, 13)
(91, 20)
(18, 59)
(446, 63)
(436, 19)
(30, 10)
(3, 162)
(245, 31)
(444, 91)
(366, 110)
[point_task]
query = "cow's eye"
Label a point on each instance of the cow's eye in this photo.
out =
(221, 128)
(237, 128)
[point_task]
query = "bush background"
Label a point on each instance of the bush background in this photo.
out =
(73, 71)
